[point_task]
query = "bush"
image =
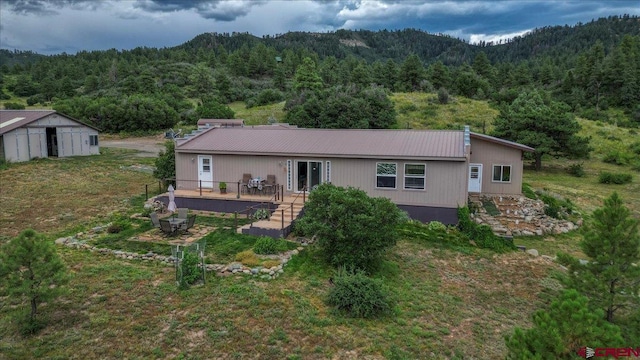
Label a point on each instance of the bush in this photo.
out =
(443, 96)
(611, 178)
(617, 157)
(356, 295)
(248, 258)
(266, 245)
(528, 192)
(270, 263)
(635, 147)
(190, 271)
(482, 235)
(13, 106)
(576, 170)
(437, 226)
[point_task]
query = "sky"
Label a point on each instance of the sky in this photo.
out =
(56, 26)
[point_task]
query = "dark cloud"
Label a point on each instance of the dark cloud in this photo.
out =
(46, 7)
(221, 10)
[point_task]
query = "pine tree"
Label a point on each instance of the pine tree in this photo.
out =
(612, 242)
(31, 270)
(307, 77)
(559, 332)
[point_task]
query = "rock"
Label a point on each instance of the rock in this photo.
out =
(255, 271)
(62, 241)
(533, 252)
(294, 252)
(583, 262)
(539, 232)
(547, 257)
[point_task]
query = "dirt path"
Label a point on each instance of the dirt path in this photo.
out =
(148, 146)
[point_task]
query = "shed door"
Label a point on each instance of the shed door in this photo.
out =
(205, 171)
(475, 178)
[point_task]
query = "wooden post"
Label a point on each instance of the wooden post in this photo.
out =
(238, 193)
(291, 211)
(200, 187)
(282, 219)
(146, 191)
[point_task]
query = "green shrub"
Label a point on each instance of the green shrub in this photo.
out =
(611, 178)
(437, 226)
(13, 106)
(271, 263)
(482, 235)
(443, 96)
(266, 245)
(356, 295)
(635, 147)
(190, 271)
(261, 214)
(576, 170)
(617, 157)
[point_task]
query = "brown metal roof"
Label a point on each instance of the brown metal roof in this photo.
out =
(405, 144)
(502, 142)
(13, 119)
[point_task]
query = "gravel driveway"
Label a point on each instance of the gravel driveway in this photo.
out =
(148, 146)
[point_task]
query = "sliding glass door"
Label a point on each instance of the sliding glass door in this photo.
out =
(309, 174)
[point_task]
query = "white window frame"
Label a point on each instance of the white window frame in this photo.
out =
(423, 177)
(501, 166)
(395, 176)
(93, 140)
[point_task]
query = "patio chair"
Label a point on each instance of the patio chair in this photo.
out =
(270, 184)
(166, 227)
(154, 220)
(182, 213)
(191, 220)
(245, 183)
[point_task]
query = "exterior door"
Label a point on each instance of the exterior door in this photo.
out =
(205, 171)
(309, 174)
(475, 178)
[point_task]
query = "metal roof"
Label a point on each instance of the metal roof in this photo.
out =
(13, 119)
(382, 144)
(502, 142)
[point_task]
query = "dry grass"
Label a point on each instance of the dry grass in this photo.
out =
(51, 195)
(258, 115)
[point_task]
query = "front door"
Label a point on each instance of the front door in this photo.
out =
(475, 178)
(309, 174)
(205, 171)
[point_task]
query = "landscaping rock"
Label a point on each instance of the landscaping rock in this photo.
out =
(533, 252)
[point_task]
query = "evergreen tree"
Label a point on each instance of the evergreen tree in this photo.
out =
(439, 75)
(166, 162)
(307, 77)
(559, 332)
(612, 242)
(411, 73)
(32, 271)
(542, 124)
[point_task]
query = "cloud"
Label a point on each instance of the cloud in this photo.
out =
(47, 7)
(221, 10)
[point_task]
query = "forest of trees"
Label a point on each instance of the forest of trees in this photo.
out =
(328, 82)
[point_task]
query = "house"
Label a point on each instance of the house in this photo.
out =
(206, 123)
(428, 173)
(28, 134)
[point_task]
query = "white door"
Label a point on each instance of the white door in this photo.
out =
(205, 171)
(475, 178)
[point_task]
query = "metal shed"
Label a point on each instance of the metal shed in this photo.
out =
(29, 134)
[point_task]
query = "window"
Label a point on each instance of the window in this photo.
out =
(93, 140)
(502, 173)
(414, 176)
(386, 175)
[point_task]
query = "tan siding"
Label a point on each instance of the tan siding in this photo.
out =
(489, 154)
(2, 148)
(445, 181)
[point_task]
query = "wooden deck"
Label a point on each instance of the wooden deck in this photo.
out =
(287, 209)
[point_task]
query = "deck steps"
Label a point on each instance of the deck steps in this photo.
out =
(276, 219)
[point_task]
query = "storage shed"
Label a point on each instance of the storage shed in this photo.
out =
(29, 134)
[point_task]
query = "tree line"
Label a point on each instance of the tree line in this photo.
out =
(589, 67)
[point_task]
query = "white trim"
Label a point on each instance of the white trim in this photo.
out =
(289, 175)
(395, 176)
(424, 177)
(502, 166)
(12, 121)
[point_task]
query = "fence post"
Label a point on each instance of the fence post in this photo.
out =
(291, 211)
(200, 187)
(238, 193)
(282, 219)
(146, 191)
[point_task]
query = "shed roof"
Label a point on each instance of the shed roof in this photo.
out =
(352, 143)
(13, 119)
(221, 122)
